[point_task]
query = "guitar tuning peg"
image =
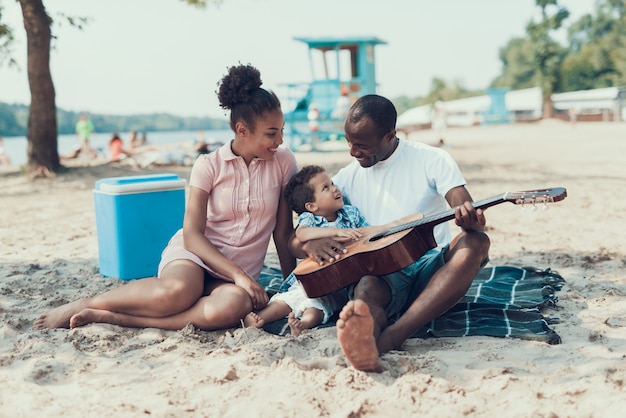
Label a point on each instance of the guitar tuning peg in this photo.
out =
(534, 209)
(545, 207)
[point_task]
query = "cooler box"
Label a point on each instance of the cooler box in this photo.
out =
(135, 219)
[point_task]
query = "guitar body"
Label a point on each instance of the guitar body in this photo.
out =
(368, 256)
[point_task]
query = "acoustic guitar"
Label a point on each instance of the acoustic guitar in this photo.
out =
(393, 246)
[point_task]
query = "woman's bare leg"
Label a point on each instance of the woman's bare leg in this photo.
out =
(180, 286)
(224, 307)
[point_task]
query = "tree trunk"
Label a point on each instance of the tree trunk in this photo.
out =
(43, 155)
(548, 108)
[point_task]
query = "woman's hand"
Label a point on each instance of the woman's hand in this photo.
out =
(256, 291)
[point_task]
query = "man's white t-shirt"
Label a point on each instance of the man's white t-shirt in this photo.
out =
(414, 179)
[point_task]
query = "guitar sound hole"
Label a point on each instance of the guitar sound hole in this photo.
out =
(377, 237)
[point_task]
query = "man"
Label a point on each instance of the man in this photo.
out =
(391, 178)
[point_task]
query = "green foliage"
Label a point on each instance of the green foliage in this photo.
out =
(404, 103)
(520, 71)
(6, 39)
(10, 125)
(595, 56)
(441, 91)
(547, 54)
(577, 71)
(201, 4)
(14, 120)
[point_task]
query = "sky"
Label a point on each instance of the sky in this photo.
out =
(149, 56)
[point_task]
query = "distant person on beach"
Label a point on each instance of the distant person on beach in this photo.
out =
(116, 148)
(84, 130)
(384, 312)
(313, 117)
(75, 153)
(143, 139)
(439, 121)
(4, 158)
(208, 272)
(133, 139)
(144, 154)
(201, 146)
(572, 116)
(118, 152)
(342, 105)
(321, 214)
(136, 140)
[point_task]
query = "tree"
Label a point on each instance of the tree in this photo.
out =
(536, 60)
(578, 71)
(597, 56)
(404, 103)
(518, 68)
(441, 91)
(547, 53)
(43, 155)
(6, 37)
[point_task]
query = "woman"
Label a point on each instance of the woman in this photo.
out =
(208, 272)
(116, 148)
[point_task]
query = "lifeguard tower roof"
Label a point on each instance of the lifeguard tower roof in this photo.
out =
(332, 42)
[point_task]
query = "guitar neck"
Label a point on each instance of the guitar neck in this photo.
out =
(441, 217)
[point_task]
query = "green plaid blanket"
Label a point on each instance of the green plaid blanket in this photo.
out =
(503, 301)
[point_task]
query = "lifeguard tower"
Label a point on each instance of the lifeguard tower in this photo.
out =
(342, 69)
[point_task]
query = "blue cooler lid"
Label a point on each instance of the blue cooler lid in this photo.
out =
(132, 184)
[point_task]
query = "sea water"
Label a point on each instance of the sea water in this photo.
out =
(15, 147)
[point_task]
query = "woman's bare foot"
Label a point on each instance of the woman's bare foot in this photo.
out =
(295, 325)
(89, 316)
(253, 320)
(355, 332)
(59, 317)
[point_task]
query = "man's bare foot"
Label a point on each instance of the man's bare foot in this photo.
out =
(89, 316)
(355, 332)
(253, 320)
(295, 325)
(59, 317)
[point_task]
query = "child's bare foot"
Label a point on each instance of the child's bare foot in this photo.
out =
(89, 316)
(295, 325)
(59, 317)
(253, 320)
(355, 332)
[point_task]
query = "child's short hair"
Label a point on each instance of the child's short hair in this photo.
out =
(298, 191)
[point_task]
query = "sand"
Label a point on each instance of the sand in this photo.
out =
(49, 256)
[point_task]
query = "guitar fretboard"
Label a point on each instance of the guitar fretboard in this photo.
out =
(438, 218)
